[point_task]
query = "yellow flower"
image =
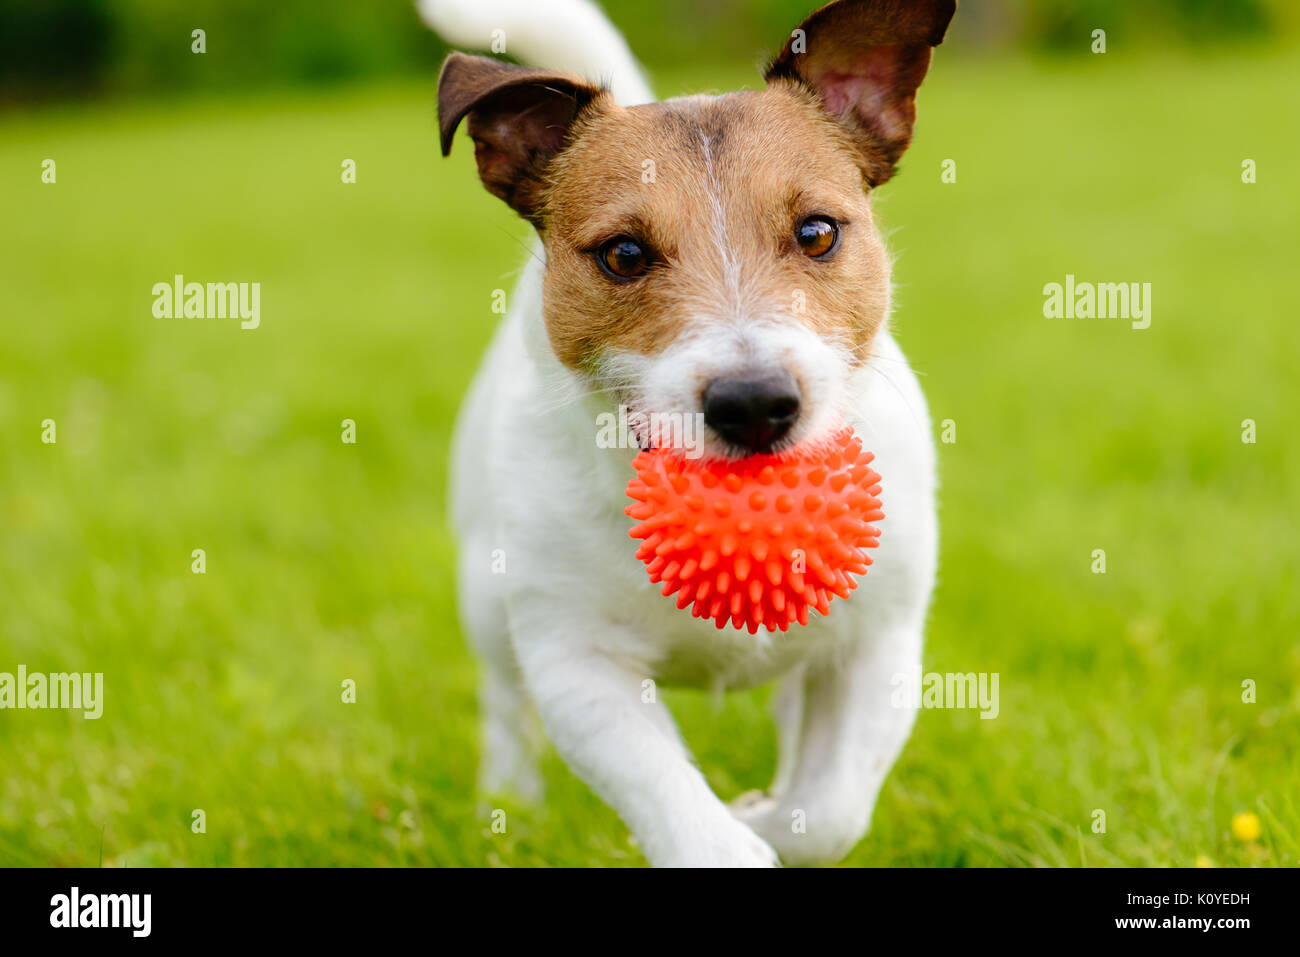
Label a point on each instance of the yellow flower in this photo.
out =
(1245, 827)
(1203, 861)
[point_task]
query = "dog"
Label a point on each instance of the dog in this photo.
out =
(706, 255)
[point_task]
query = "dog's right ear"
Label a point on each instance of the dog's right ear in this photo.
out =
(865, 59)
(519, 118)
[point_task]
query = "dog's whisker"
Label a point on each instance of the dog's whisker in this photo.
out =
(526, 247)
(901, 360)
(894, 385)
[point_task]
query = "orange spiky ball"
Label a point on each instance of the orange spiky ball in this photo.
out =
(760, 540)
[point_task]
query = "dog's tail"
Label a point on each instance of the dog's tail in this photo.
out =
(572, 35)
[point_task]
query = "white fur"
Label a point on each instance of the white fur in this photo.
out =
(671, 381)
(571, 35)
(573, 618)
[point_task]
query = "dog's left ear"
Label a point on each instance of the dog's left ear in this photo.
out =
(519, 119)
(865, 59)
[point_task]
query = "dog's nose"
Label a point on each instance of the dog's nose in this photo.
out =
(753, 413)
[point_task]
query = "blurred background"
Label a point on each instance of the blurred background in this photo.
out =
(326, 562)
(59, 48)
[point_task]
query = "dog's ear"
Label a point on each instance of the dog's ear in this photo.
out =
(518, 118)
(865, 59)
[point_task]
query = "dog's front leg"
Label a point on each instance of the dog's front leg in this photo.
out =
(846, 738)
(622, 742)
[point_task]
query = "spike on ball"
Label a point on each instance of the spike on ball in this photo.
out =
(757, 541)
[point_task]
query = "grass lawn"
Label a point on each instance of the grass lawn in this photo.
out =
(1121, 692)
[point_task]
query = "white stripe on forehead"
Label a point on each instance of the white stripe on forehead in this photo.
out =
(730, 266)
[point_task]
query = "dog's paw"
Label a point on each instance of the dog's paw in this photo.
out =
(801, 836)
(747, 849)
(751, 804)
(731, 844)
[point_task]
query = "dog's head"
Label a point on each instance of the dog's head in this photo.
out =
(713, 254)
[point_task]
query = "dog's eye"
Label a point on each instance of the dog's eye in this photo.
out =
(817, 236)
(623, 257)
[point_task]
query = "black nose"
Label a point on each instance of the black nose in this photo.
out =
(754, 412)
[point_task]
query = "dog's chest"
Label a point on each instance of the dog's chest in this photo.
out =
(675, 648)
(718, 659)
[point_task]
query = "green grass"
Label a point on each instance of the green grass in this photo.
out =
(327, 561)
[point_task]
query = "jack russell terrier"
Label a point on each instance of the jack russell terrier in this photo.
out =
(707, 255)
